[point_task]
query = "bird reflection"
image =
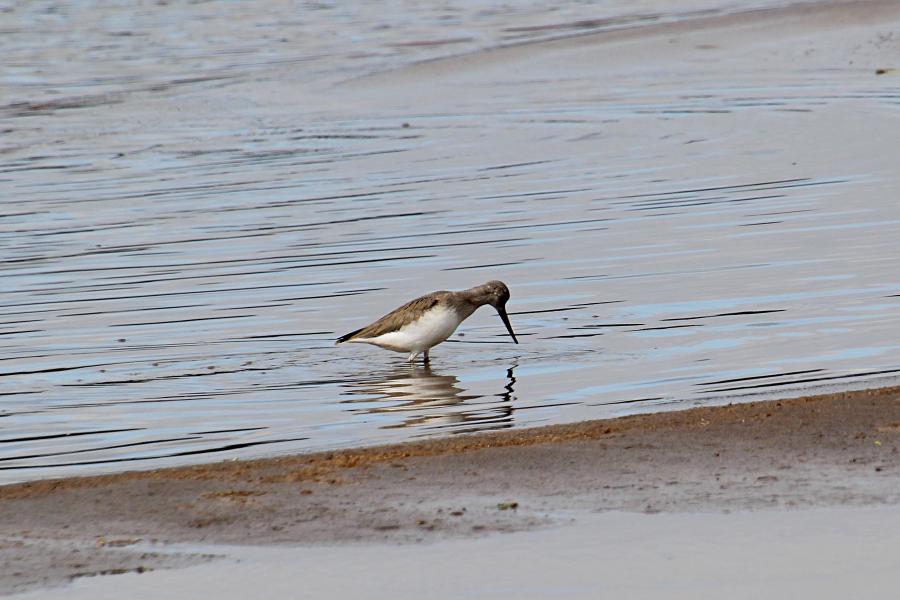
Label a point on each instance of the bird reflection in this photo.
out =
(422, 398)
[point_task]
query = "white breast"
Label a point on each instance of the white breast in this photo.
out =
(432, 328)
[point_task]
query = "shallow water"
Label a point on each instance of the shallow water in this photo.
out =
(831, 553)
(177, 260)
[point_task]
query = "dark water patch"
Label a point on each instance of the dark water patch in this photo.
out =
(100, 449)
(333, 295)
(780, 212)
(267, 305)
(485, 266)
(665, 327)
(582, 24)
(758, 377)
(335, 136)
(630, 401)
(488, 229)
(285, 335)
(396, 248)
(497, 341)
(548, 405)
(763, 185)
(94, 229)
(805, 381)
(484, 425)
(21, 109)
(576, 306)
(213, 450)
(561, 192)
(130, 310)
(19, 322)
(18, 214)
(739, 313)
(686, 111)
(359, 261)
(531, 163)
(66, 435)
(37, 168)
(207, 373)
(90, 300)
(54, 369)
(572, 335)
(238, 430)
(686, 203)
(174, 321)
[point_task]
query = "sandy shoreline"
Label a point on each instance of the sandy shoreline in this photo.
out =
(826, 553)
(821, 451)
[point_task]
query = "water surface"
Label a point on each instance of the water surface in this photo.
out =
(183, 240)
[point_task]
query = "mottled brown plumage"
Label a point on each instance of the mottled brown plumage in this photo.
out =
(397, 318)
(430, 319)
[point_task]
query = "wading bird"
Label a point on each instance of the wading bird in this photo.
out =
(425, 322)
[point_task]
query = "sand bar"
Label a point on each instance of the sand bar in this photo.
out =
(826, 451)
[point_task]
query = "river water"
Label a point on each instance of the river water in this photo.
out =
(194, 206)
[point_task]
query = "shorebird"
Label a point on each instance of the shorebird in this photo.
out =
(425, 322)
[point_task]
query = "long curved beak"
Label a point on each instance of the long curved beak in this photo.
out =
(501, 310)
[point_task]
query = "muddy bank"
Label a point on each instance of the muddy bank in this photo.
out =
(833, 450)
(823, 553)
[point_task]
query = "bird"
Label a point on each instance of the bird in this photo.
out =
(428, 320)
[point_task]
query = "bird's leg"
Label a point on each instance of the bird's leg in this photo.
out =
(427, 360)
(412, 357)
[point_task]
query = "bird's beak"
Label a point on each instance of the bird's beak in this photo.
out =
(501, 310)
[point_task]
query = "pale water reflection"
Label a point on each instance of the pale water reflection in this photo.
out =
(423, 398)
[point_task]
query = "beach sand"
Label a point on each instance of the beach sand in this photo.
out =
(838, 450)
(832, 553)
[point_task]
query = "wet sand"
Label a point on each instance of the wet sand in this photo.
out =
(833, 553)
(837, 450)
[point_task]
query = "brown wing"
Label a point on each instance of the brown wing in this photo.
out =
(395, 319)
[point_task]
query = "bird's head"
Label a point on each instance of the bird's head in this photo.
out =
(496, 294)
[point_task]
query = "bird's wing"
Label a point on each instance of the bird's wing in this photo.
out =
(395, 319)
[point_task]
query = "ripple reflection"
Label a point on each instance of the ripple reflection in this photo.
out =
(417, 396)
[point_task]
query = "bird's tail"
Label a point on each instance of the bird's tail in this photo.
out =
(346, 337)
